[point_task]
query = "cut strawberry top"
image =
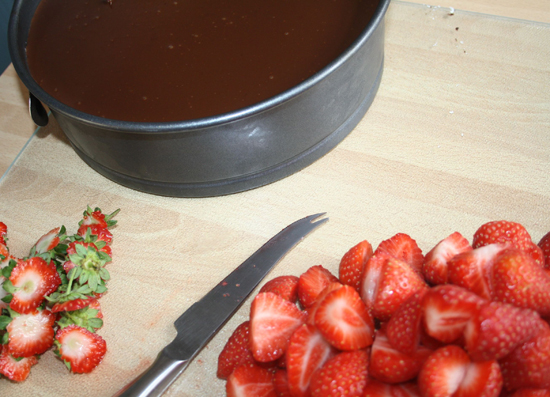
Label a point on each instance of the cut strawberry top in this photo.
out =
(81, 350)
(14, 369)
(31, 334)
(48, 241)
(32, 279)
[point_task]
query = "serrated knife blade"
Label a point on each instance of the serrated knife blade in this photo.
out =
(198, 324)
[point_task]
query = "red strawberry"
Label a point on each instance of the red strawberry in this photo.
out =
(344, 319)
(307, 352)
(404, 327)
(532, 393)
(403, 247)
(544, 245)
(313, 308)
(497, 329)
(272, 321)
(101, 233)
(3, 233)
(14, 369)
(390, 365)
(285, 286)
(250, 380)
(75, 304)
(443, 372)
(472, 270)
(235, 352)
(312, 282)
(447, 310)
(280, 383)
(32, 279)
(31, 334)
(376, 388)
(352, 264)
(518, 280)
(398, 282)
(528, 365)
(47, 242)
(80, 349)
(502, 232)
(483, 379)
(343, 375)
(435, 262)
(371, 277)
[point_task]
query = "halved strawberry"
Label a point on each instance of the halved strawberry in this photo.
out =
(403, 247)
(502, 232)
(405, 325)
(31, 334)
(285, 286)
(307, 351)
(447, 309)
(344, 319)
(15, 369)
(236, 351)
(528, 365)
(80, 349)
(32, 279)
(398, 282)
(273, 320)
(435, 261)
(473, 269)
(518, 280)
(352, 264)
(497, 329)
(313, 308)
(280, 383)
(312, 282)
(376, 388)
(443, 372)
(392, 366)
(483, 379)
(544, 245)
(345, 374)
(47, 242)
(371, 277)
(250, 380)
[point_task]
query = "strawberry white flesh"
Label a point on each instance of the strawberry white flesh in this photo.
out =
(31, 334)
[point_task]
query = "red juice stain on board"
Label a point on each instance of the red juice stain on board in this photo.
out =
(157, 61)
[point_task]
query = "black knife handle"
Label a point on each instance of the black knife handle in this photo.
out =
(156, 379)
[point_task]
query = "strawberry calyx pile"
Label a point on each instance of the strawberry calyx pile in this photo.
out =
(468, 318)
(50, 298)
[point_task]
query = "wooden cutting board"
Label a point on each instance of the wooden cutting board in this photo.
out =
(458, 135)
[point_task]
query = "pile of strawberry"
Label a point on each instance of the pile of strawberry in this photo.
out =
(464, 320)
(50, 298)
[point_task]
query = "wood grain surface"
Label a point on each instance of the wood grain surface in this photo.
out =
(458, 135)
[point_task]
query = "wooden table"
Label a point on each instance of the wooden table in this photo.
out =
(458, 135)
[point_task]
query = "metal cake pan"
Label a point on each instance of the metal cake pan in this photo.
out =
(227, 153)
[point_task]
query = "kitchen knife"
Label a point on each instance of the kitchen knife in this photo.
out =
(204, 318)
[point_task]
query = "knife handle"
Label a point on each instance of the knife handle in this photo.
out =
(156, 379)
